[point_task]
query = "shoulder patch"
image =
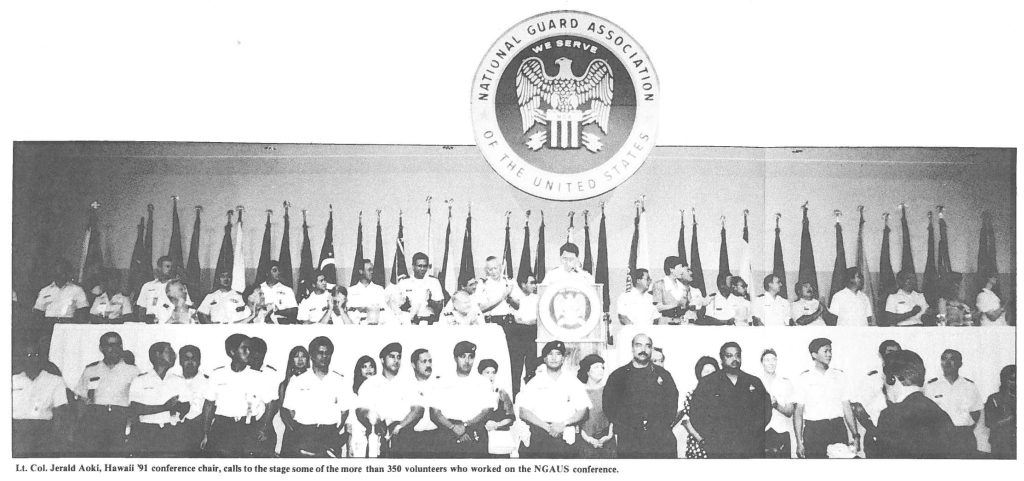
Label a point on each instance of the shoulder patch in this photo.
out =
(968, 380)
(872, 373)
(91, 364)
(933, 380)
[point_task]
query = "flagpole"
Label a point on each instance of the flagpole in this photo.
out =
(429, 225)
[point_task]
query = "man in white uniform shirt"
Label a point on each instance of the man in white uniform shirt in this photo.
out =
(905, 306)
(777, 440)
(521, 335)
(720, 311)
(823, 412)
(869, 400)
(770, 309)
(807, 309)
(387, 405)
(279, 298)
(738, 300)
(459, 407)
(850, 305)
(636, 306)
(551, 404)
(62, 300)
(959, 397)
(235, 398)
(190, 358)
(993, 311)
(317, 403)
(423, 291)
(422, 440)
(497, 297)
(569, 267)
(365, 297)
(111, 306)
(159, 398)
(103, 388)
(316, 307)
(153, 303)
(38, 401)
(223, 306)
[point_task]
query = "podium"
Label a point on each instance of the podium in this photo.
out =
(571, 311)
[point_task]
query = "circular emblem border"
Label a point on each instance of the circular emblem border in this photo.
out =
(569, 335)
(555, 186)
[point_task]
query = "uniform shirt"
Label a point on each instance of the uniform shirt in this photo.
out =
(463, 397)
(150, 390)
(902, 303)
(740, 306)
(782, 389)
(490, 290)
(368, 296)
(278, 295)
(270, 378)
(37, 398)
(638, 307)
(555, 399)
(424, 391)
(153, 298)
(720, 308)
(822, 393)
(390, 399)
(197, 387)
(773, 311)
(111, 307)
(417, 290)
(313, 307)
(61, 302)
(558, 274)
(237, 394)
(870, 394)
(804, 307)
(989, 301)
(528, 309)
(109, 384)
(475, 317)
(959, 399)
(852, 308)
(224, 307)
(317, 400)
(670, 291)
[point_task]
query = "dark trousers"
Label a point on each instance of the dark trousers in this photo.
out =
(230, 438)
(963, 442)
(416, 444)
(192, 437)
(638, 443)
(428, 320)
(33, 438)
(543, 446)
(154, 441)
(777, 445)
(102, 431)
(312, 440)
(818, 435)
(447, 445)
(522, 345)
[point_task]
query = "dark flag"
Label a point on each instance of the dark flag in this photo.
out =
(681, 243)
(943, 264)
(507, 256)
(863, 265)
(379, 277)
(779, 265)
(174, 251)
(588, 259)
(357, 263)
(907, 258)
(539, 269)
(263, 268)
(306, 278)
(326, 263)
(444, 258)
(601, 276)
(886, 278)
(723, 254)
(192, 269)
(746, 273)
(524, 259)
(138, 273)
(930, 286)
(147, 254)
(839, 269)
(986, 251)
(695, 265)
(634, 244)
(226, 259)
(91, 268)
(398, 267)
(466, 269)
(285, 259)
(808, 270)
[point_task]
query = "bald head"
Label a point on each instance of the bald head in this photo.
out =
(642, 347)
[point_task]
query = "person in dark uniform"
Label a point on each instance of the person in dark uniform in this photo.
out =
(103, 388)
(731, 409)
(159, 399)
(640, 399)
(913, 426)
(266, 437)
(1001, 415)
(234, 397)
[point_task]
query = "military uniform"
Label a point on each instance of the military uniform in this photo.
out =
(317, 404)
(641, 404)
(388, 400)
(777, 432)
(731, 417)
(822, 395)
(720, 309)
(773, 311)
(804, 307)
(370, 296)
(420, 441)
(111, 307)
(224, 307)
(959, 400)
(553, 399)
(160, 434)
(418, 291)
(278, 295)
(32, 405)
(460, 399)
(271, 379)
(915, 428)
(153, 298)
(870, 394)
(903, 302)
(313, 307)
(239, 399)
(103, 423)
(192, 423)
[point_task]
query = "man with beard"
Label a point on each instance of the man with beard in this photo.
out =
(189, 358)
(460, 406)
(317, 403)
(640, 399)
(420, 441)
(551, 404)
(731, 409)
(234, 398)
(103, 388)
(913, 426)
(959, 397)
(159, 398)
(38, 405)
(387, 404)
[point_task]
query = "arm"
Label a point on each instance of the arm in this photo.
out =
(862, 416)
(363, 416)
(798, 429)
(851, 423)
(442, 421)
(529, 418)
(268, 417)
(809, 318)
(172, 404)
(415, 414)
(204, 318)
(208, 408)
(894, 318)
(624, 320)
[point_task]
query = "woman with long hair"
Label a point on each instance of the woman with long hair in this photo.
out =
(694, 442)
(298, 363)
(365, 367)
(499, 423)
(358, 440)
(596, 430)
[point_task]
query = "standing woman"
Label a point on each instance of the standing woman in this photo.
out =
(596, 430)
(298, 362)
(694, 441)
(1001, 415)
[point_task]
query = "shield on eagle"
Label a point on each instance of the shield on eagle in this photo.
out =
(564, 103)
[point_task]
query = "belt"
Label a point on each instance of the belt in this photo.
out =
(319, 426)
(238, 419)
(427, 319)
(108, 407)
(504, 319)
(157, 425)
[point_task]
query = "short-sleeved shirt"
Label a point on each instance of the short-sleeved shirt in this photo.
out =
(490, 290)
(870, 394)
(851, 308)
(822, 393)
(61, 302)
(463, 397)
(153, 298)
(720, 308)
(313, 307)
(558, 274)
(37, 398)
(528, 309)
(150, 390)
(390, 399)
(554, 399)
(238, 394)
(109, 385)
(988, 301)
(424, 391)
(804, 307)
(474, 317)
(959, 399)
(197, 386)
(317, 400)
(670, 291)
(278, 295)
(741, 307)
(638, 307)
(782, 389)
(416, 290)
(111, 307)
(903, 302)
(224, 307)
(368, 296)
(773, 311)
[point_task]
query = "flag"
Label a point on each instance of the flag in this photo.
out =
(398, 267)
(91, 268)
(930, 286)
(643, 250)
(588, 257)
(723, 256)
(839, 269)
(779, 265)
(943, 264)
(808, 270)
(862, 264)
(570, 233)
(238, 266)
(681, 243)
(601, 276)
(192, 269)
(357, 262)
(430, 222)
(986, 251)
(138, 273)
(444, 260)
(634, 243)
(507, 256)
(907, 258)
(306, 276)
(539, 269)
(285, 259)
(174, 251)
(466, 269)
(263, 268)
(378, 257)
(746, 273)
(225, 260)
(147, 254)
(886, 278)
(695, 265)
(326, 262)
(524, 259)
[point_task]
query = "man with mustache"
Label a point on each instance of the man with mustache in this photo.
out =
(640, 399)
(731, 408)
(421, 442)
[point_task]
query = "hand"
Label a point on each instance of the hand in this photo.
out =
(261, 435)
(800, 451)
(202, 444)
(459, 429)
(171, 403)
(491, 425)
(915, 310)
(396, 430)
(183, 408)
(463, 439)
(553, 431)
(775, 401)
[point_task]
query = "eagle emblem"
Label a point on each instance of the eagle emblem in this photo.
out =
(564, 103)
(569, 307)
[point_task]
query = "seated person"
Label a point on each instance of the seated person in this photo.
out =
(111, 306)
(951, 311)
(807, 309)
(180, 312)
(904, 307)
(464, 311)
(222, 306)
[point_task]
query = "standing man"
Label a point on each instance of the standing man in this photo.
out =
(279, 298)
(823, 412)
(636, 306)
(959, 397)
(731, 409)
(153, 303)
(522, 335)
(223, 306)
(913, 426)
(674, 297)
(499, 300)
(233, 398)
(103, 389)
(270, 378)
(189, 358)
(317, 403)
(640, 400)
(61, 301)
(316, 307)
(869, 398)
(387, 405)
(38, 405)
(770, 309)
(423, 291)
(551, 404)
(777, 441)
(569, 266)
(159, 398)
(851, 306)
(460, 406)
(366, 299)
(905, 306)
(421, 441)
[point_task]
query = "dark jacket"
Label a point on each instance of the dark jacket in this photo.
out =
(632, 395)
(731, 418)
(915, 428)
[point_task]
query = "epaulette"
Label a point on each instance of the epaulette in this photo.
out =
(933, 380)
(968, 380)
(91, 364)
(872, 373)
(267, 366)
(218, 368)
(805, 372)
(836, 369)
(762, 295)
(338, 373)
(142, 374)
(206, 376)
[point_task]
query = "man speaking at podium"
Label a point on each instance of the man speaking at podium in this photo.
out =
(570, 268)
